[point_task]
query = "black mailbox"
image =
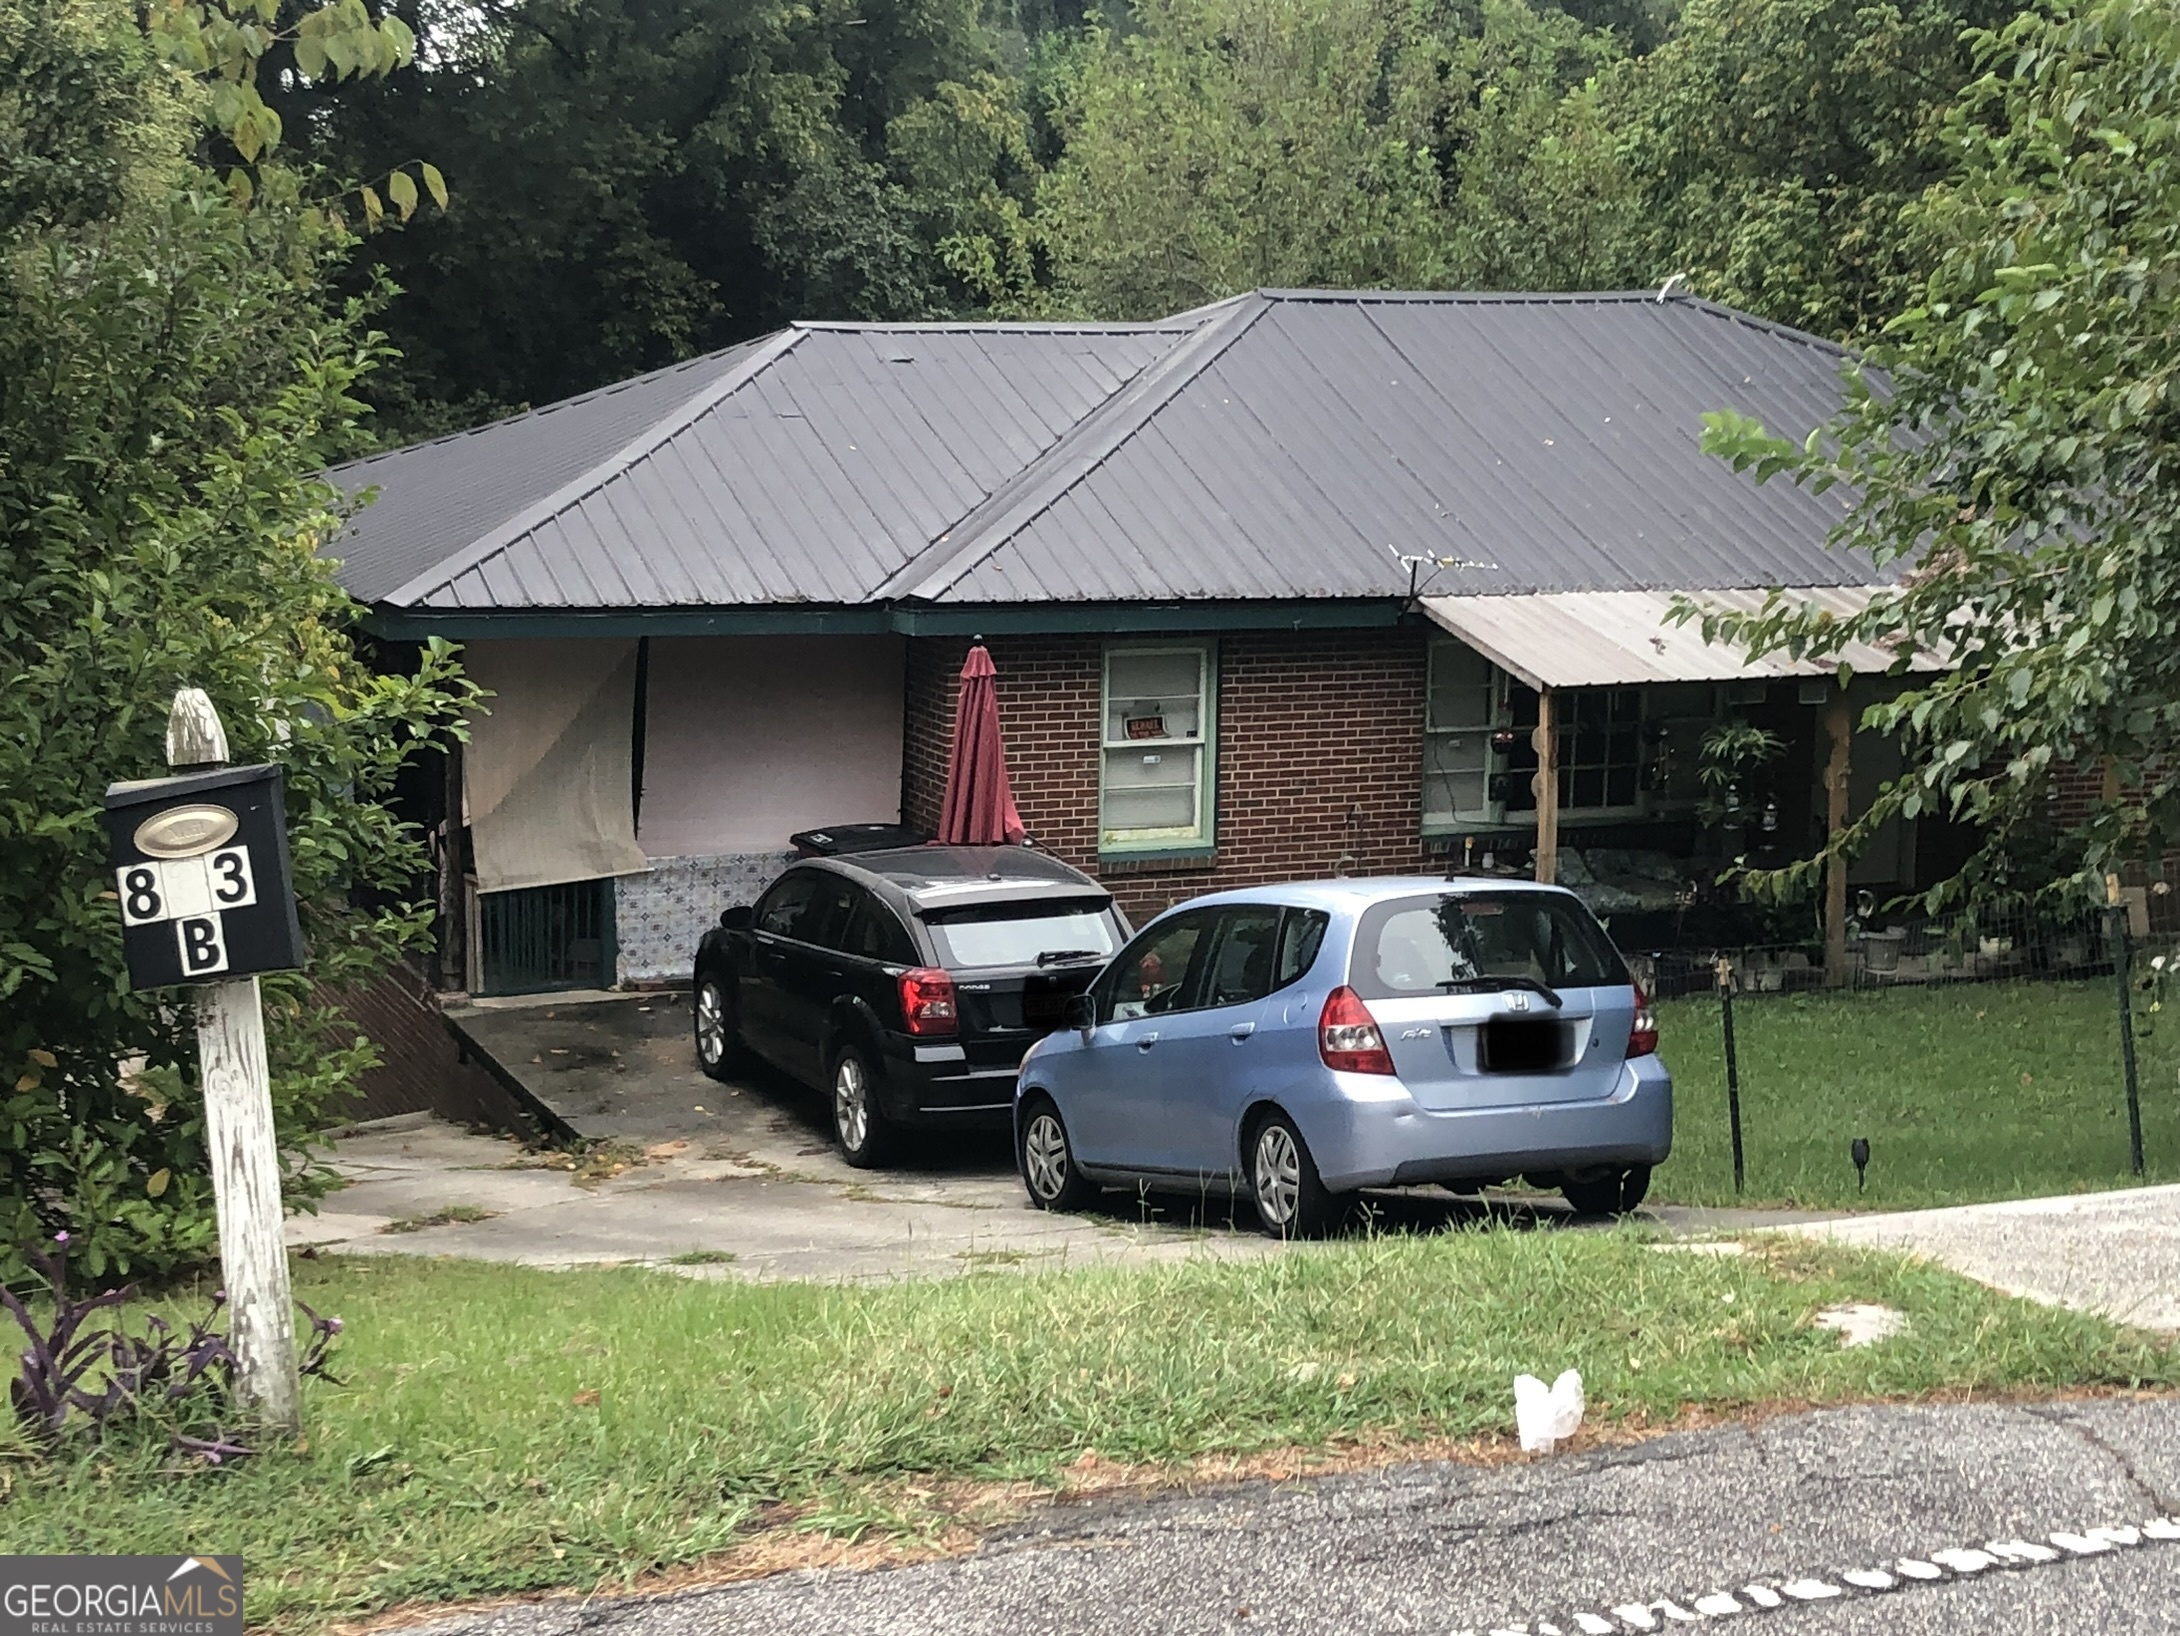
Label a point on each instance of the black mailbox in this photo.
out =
(201, 866)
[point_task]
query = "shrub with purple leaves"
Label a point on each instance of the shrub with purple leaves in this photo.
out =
(81, 1373)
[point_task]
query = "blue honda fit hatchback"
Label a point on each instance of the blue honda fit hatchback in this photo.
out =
(1295, 1043)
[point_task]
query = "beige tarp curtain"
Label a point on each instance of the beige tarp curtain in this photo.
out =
(546, 773)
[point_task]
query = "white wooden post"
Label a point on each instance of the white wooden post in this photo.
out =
(238, 1122)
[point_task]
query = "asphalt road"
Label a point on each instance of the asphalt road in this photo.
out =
(1609, 1541)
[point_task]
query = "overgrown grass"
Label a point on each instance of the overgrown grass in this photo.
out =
(1982, 1091)
(502, 1429)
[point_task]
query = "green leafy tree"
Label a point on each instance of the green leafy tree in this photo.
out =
(1213, 146)
(636, 180)
(2012, 443)
(172, 379)
(1767, 151)
(1541, 197)
(1774, 145)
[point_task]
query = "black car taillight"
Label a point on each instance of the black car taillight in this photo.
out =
(927, 1002)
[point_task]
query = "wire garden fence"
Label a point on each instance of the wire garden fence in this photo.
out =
(1945, 1061)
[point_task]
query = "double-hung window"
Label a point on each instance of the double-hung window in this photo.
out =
(1156, 773)
(1479, 754)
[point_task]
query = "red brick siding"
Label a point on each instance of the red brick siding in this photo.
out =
(1320, 753)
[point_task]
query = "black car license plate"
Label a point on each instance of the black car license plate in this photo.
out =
(1522, 1045)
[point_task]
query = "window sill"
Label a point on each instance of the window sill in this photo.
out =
(1167, 861)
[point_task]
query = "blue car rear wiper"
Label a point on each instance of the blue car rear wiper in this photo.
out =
(1474, 985)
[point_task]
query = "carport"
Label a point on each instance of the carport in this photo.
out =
(1563, 644)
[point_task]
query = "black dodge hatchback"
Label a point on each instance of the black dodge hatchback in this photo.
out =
(907, 983)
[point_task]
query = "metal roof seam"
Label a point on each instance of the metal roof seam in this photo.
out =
(689, 410)
(1027, 495)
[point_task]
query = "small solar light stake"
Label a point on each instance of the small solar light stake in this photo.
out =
(1859, 1151)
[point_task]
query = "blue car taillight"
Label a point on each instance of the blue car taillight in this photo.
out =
(1642, 1039)
(1348, 1037)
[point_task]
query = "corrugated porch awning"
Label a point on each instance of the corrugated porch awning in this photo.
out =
(1622, 638)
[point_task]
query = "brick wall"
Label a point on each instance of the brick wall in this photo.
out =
(1320, 753)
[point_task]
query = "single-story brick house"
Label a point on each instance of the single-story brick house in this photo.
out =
(1277, 587)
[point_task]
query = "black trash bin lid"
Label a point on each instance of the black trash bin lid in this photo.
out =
(837, 840)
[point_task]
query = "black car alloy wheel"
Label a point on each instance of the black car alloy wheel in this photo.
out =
(859, 1122)
(715, 1028)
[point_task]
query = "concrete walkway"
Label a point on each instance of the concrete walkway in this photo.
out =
(2113, 1253)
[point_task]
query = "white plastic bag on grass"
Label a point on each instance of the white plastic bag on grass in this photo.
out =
(1547, 1415)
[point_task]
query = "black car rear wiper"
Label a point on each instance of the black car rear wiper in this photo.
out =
(1476, 985)
(1052, 957)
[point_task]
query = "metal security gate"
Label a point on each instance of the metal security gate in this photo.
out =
(539, 938)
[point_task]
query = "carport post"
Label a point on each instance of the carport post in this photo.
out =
(1545, 739)
(1839, 727)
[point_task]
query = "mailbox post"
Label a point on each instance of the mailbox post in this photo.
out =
(201, 867)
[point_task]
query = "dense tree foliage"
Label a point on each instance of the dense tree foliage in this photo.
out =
(172, 379)
(635, 180)
(1219, 144)
(2019, 457)
(1771, 147)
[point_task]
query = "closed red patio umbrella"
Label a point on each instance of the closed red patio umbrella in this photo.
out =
(979, 808)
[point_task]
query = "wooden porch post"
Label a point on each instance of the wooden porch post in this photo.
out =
(1546, 740)
(1839, 728)
(451, 961)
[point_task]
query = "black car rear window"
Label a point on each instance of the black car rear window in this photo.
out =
(1434, 944)
(1064, 931)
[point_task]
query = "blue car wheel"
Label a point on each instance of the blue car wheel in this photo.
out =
(1291, 1200)
(1048, 1161)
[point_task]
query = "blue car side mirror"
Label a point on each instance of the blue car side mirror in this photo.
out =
(1081, 1013)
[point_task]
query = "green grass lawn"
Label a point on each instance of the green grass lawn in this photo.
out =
(1982, 1091)
(503, 1429)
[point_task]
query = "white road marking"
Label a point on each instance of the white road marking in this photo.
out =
(1953, 1562)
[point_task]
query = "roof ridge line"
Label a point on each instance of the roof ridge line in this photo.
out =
(996, 326)
(647, 442)
(1770, 326)
(1086, 445)
(538, 410)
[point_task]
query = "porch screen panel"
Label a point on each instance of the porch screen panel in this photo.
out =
(546, 772)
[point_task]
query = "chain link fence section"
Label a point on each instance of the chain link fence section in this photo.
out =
(1977, 1056)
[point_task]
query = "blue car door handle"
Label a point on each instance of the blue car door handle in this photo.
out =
(1241, 1031)
(1146, 1042)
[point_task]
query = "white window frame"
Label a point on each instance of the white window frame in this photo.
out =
(1201, 835)
(1491, 812)
(1494, 814)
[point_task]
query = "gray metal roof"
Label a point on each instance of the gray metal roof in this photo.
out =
(805, 467)
(1279, 446)
(435, 497)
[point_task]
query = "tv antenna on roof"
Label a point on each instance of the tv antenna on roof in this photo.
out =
(1415, 562)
